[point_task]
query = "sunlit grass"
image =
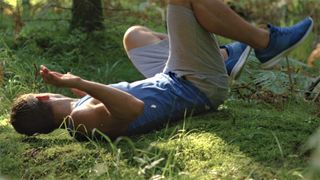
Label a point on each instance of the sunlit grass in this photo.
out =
(212, 146)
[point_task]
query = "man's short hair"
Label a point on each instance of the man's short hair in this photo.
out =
(31, 116)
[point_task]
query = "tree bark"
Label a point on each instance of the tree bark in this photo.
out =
(87, 15)
(25, 8)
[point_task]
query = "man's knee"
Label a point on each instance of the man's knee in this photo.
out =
(138, 36)
(132, 35)
(133, 31)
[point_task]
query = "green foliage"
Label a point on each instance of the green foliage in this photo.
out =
(290, 79)
(284, 11)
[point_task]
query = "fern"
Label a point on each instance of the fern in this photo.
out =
(277, 82)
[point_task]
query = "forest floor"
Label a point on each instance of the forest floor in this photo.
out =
(245, 139)
(242, 141)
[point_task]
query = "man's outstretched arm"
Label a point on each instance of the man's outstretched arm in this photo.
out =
(122, 106)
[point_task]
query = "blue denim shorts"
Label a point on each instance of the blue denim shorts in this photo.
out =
(166, 98)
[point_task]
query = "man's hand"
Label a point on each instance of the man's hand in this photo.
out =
(58, 79)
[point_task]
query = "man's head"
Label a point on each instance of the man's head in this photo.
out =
(32, 114)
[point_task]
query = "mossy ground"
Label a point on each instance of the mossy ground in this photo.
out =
(244, 140)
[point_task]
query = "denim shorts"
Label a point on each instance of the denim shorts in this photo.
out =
(166, 98)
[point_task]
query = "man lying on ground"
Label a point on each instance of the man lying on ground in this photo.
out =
(186, 74)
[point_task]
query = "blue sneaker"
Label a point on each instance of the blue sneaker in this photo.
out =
(238, 54)
(282, 41)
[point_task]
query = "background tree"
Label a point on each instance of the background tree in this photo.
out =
(25, 8)
(87, 15)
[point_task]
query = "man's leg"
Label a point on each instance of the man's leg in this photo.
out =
(137, 40)
(140, 36)
(147, 50)
(216, 17)
(195, 54)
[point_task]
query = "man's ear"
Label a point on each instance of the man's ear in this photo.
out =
(43, 98)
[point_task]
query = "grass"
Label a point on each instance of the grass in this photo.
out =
(245, 139)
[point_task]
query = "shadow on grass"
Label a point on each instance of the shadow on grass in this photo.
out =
(269, 136)
(246, 138)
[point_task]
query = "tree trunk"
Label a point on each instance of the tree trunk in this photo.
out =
(106, 4)
(25, 8)
(87, 15)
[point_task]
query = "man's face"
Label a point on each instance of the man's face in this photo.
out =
(56, 101)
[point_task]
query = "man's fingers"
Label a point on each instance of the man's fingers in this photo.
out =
(43, 68)
(56, 74)
(48, 76)
(43, 71)
(44, 77)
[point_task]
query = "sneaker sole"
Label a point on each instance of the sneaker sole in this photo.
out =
(236, 71)
(275, 60)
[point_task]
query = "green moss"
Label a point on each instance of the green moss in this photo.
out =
(206, 147)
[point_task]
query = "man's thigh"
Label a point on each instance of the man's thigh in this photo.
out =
(192, 48)
(146, 49)
(195, 53)
(151, 59)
